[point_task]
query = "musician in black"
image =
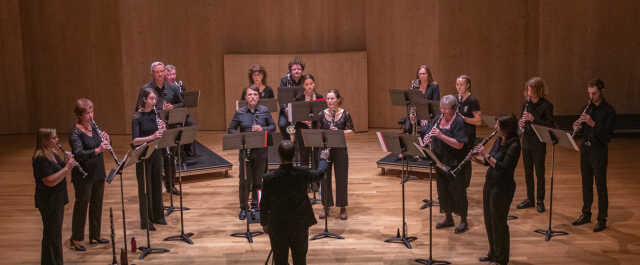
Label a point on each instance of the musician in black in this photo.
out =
(285, 209)
(168, 98)
(147, 127)
(51, 174)
(310, 94)
(596, 126)
(251, 118)
(536, 110)
(292, 79)
(447, 137)
(258, 79)
(499, 186)
(336, 118)
(87, 147)
(469, 110)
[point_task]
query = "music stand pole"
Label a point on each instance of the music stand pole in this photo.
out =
(430, 260)
(180, 138)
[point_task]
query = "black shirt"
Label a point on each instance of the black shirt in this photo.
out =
(506, 156)
(342, 120)
(143, 124)
(82, 147)
(244, 119)
(267, 92)
(284, 195)
(605, 118)
(447, 154)
(432, 92)
(46, 196)
(466, 108)
(542, 112)
(168, 93)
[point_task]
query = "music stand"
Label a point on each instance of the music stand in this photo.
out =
(324, 139)
(554, 137)
(176, 116)
(190, 99)
(185, 135)
(390, 142)
(244, 142)
(288, 94)
(270, 103)
(427, 153)
(144, 155)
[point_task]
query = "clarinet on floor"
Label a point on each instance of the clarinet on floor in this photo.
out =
(82, 172)
(113, 238)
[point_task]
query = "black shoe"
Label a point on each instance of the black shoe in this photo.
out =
(151, 227)
(540, 207)
(242, 215)
(160, 222)
(583, 219)
(601, 225)
(447, 222)
(461, 228)
(525, 204)
(484, 259)
(77, 247)
(98, 241)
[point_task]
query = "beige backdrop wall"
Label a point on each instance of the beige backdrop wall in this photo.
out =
(345, 71)
(56, 51)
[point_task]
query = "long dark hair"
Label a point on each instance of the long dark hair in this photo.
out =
(429, 75)
(509, 126)
(145, 94)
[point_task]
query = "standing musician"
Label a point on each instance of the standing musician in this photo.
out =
(310, 94)
(596, 124)
(536, 110)
(168, 98)
(447, 136)
(429, 89)
(189, 149)
(251, 118)
(286, 212)
(292, 79)
(87, 146)
(146, 126)
(51, 174)
(336, 118)
(258, 79)
(499, 186)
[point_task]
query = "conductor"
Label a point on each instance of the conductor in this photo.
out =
(285, 209)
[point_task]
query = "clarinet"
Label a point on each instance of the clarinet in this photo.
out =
(428, 138)
(113, 154)
(526, 109)
(82, 172)
(113, 238)
(586, 109)
(471, 153)
(415, 84)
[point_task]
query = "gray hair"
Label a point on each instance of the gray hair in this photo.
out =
(154, 64)
(170, 67)
(449, 100)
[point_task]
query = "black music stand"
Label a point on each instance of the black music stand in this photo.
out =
(244, 142)
(270, 103)
(184, 135)
(146, 153)
(324, 139)
(288, 94)
(304, 111)
(426, 153)
(174, 117)
(390, 142)
(554, 137)
(190, 98)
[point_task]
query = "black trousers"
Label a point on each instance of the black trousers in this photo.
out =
(340, 164)
(497, 199)
(283, 123)
(256, 167)
(51, 253)
(89, 193)
(534, 156)
(593, 162)
(153, 186)
(294, 237)
(169, 170)
(452, 191)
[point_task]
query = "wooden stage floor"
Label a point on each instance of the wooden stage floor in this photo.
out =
(374, 215)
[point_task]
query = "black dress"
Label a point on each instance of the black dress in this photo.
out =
(143, 125)
(452, 192)
(339, 159)
(50, 202)
(534, 152)
(466, 108)
(90, 189)
(498, 191)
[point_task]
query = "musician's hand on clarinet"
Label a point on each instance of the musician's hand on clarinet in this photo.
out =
(167, 106)
(424, 122)
(435, 132)
(324, 154)
(71, 162)
(527, 116)
(103, 146)
(105, 137)
(157, 135)
(308, 123)
(256, 128)
(521, 122)
(587, 119)
(479, 149)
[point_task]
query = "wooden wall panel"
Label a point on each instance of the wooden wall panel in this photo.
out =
(346, 72)
(15, 116)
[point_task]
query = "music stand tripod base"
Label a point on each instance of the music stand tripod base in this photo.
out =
(404, 239)
(549, 233)
(431, 261)
(248, 235)
(146, 251)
